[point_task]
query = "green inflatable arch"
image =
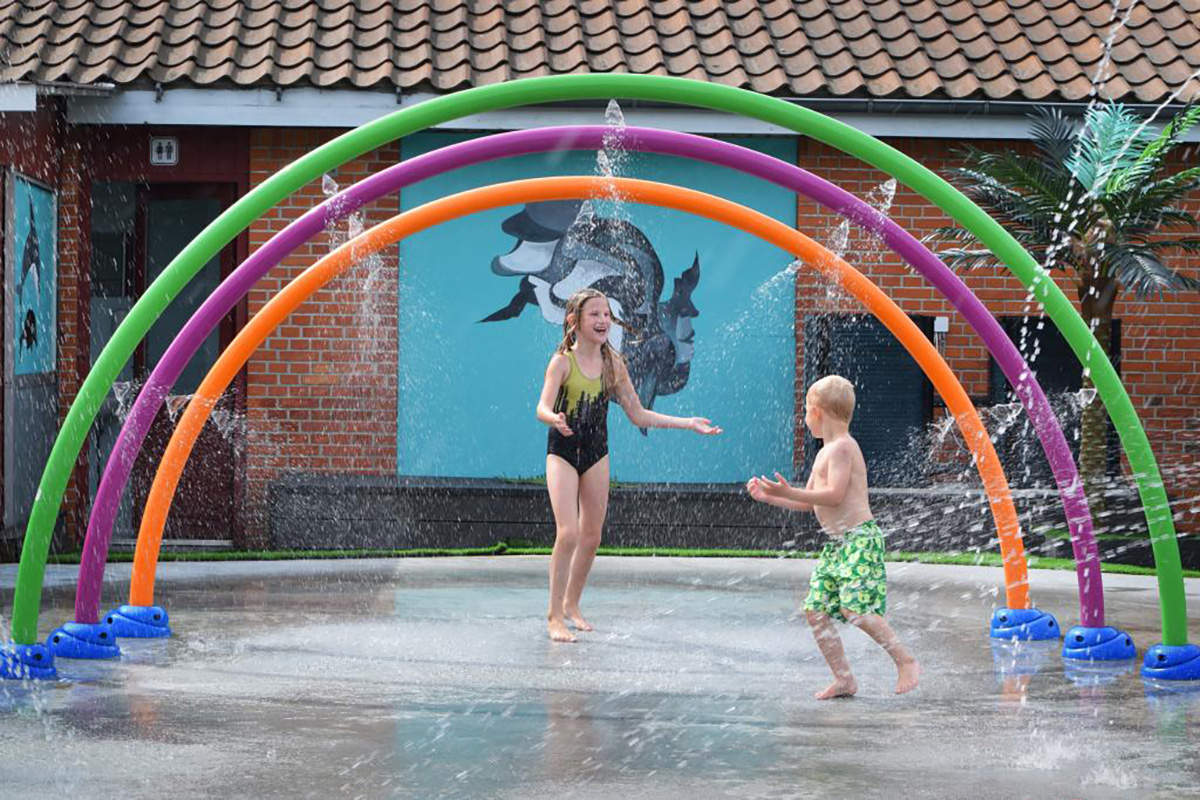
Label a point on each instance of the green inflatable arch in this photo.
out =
(596, 87)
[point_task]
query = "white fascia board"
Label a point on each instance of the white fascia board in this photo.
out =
(348, 108)
(257, 108)
(18, 97)
(316, 108)
(703, 121)
(345, 108)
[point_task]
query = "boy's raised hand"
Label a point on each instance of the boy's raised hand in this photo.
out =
(773, 488)
(755, 490)
(764, 490)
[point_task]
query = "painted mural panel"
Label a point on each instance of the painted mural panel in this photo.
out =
(30, 343)
(34, 282)
(481, 310)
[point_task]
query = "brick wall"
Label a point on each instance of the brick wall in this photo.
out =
(1160, 338)
(321, 393)
(74, 272)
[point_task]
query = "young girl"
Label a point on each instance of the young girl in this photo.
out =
(583, 373)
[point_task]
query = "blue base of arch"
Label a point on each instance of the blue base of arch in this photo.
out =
(139, 622)
(1098, 644)
(1026, 624)
(1172, 662)
(26, 661)
(84, 640)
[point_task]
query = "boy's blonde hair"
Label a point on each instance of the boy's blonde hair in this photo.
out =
(834, 395)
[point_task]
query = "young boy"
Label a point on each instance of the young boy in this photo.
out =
(849, 582)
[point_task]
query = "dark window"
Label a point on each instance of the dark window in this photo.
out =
(1061, 377)
(894, 400)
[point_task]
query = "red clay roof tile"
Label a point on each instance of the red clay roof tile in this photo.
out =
(906, 45)
(1177, 73)
(1000, 49)
(795, 52)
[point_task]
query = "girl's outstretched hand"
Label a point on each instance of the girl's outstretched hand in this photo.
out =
(560, 424)
(703, 426)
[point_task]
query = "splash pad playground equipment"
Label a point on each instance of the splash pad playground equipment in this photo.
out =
(1175, 658)
(396, 177)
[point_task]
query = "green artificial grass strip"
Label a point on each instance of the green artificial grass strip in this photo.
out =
(1033, 562)
(679, 552)
(524, 548)
(1059, 534)
(293, 555)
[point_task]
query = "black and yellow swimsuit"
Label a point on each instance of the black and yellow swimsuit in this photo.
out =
(585, 403)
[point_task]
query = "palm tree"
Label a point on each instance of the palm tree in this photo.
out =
(1100, 202)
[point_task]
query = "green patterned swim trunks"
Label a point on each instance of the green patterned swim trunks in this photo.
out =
(850, 574)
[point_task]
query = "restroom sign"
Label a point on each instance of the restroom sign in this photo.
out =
(164, 151)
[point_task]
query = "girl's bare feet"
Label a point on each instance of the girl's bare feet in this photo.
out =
(558, 631)
(907, 676)
(842, 687)
(578, 621)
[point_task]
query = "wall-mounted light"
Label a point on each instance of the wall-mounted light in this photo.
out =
(941, 326)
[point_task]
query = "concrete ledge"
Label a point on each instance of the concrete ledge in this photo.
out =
(362, 511)
(324, 511)
(354, 511)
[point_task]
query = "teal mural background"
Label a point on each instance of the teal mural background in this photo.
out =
(33, 241)
(468, 390)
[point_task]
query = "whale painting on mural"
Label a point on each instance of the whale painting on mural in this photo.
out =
(562, 247)
(31, 264)
(32, 283)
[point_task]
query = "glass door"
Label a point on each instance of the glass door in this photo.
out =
(137, 229)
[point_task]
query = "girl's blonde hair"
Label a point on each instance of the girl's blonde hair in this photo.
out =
(571, 322)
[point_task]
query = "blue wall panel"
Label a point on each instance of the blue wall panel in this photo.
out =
(468, 389)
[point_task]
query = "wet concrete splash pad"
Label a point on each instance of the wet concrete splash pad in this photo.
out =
(433, 678)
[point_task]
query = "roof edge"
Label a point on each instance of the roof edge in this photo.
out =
(346, 108)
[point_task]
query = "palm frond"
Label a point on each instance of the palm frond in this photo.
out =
(1053, 135)
(1143, 273)
(948, 233)
(1136, 218)
(1170, 189)
(1154, 203)
(1147, 221)
(1154, 154)
(1112, 139)
(964, 259)
(1023, 174)
(1020, 191)
(1006, 207)
(1186, 245)
(971, 255)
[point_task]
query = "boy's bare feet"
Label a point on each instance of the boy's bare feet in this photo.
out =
(842, 687)
(578, 621)
(907, 676)
(558, 631)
